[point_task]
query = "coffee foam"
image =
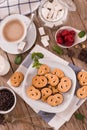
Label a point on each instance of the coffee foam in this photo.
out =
(13, 30)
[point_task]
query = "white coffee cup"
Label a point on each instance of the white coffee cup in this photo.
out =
(13, 27)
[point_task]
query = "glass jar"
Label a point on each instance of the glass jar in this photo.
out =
(53, 13)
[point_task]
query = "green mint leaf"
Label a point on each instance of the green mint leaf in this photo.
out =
(33, 55)
(39, 55)
(36, 64)
(57, 49)
(81, 34)
(79, 116)
(18, 59)
(36, 59)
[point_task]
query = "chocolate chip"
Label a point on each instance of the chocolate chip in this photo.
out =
(6, 100)
(83, 55)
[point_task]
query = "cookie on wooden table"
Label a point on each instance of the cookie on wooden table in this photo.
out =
(16, 79)
(82, 92)
(82, 77)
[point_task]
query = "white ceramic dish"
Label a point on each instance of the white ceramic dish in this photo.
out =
(77, 38)
(5, 112)
(44, 106)
(30, 38)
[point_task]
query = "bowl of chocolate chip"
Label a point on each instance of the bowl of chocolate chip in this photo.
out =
(7, 100)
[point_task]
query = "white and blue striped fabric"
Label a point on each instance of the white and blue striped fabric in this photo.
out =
(24, 7)
(55, 120)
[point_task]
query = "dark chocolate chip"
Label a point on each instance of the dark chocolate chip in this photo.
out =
(83, 55)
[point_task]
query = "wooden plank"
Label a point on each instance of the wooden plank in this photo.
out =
(76, 20)
(82, 10)
(31, 119)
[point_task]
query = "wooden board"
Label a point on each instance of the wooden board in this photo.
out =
(25, 117)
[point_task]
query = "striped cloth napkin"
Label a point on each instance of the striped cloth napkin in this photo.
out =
(55, 120)
(8, 7)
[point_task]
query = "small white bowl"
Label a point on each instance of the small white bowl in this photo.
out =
(77, 38)
(6, 88)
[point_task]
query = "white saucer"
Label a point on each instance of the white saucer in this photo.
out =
(31, 37)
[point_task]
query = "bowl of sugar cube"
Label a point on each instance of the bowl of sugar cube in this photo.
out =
(52, 13)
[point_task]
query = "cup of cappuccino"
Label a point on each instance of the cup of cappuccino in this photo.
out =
(13, 29)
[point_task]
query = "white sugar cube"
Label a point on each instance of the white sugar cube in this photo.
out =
(49, 5)
(45, 42)
(21, 46)
(60, 14)
(55, 2)
(49, 25)
(55, 15)
(58, 7)
(46, 37)
(50, 14)
(45, 12)
(41, 31)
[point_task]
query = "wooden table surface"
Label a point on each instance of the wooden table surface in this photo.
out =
(28, 119)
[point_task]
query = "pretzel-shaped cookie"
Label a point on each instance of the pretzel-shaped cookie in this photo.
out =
(58, 73)
(16, 79)
(55, 100)
(53, 80)
(46, 92)
(82, 92)
(54, 89)
(64, 85)
(39, 81)
(82, 77)
(43, 70)
(33, 93)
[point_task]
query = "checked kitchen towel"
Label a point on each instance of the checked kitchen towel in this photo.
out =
(55, 120)
(8, 7)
